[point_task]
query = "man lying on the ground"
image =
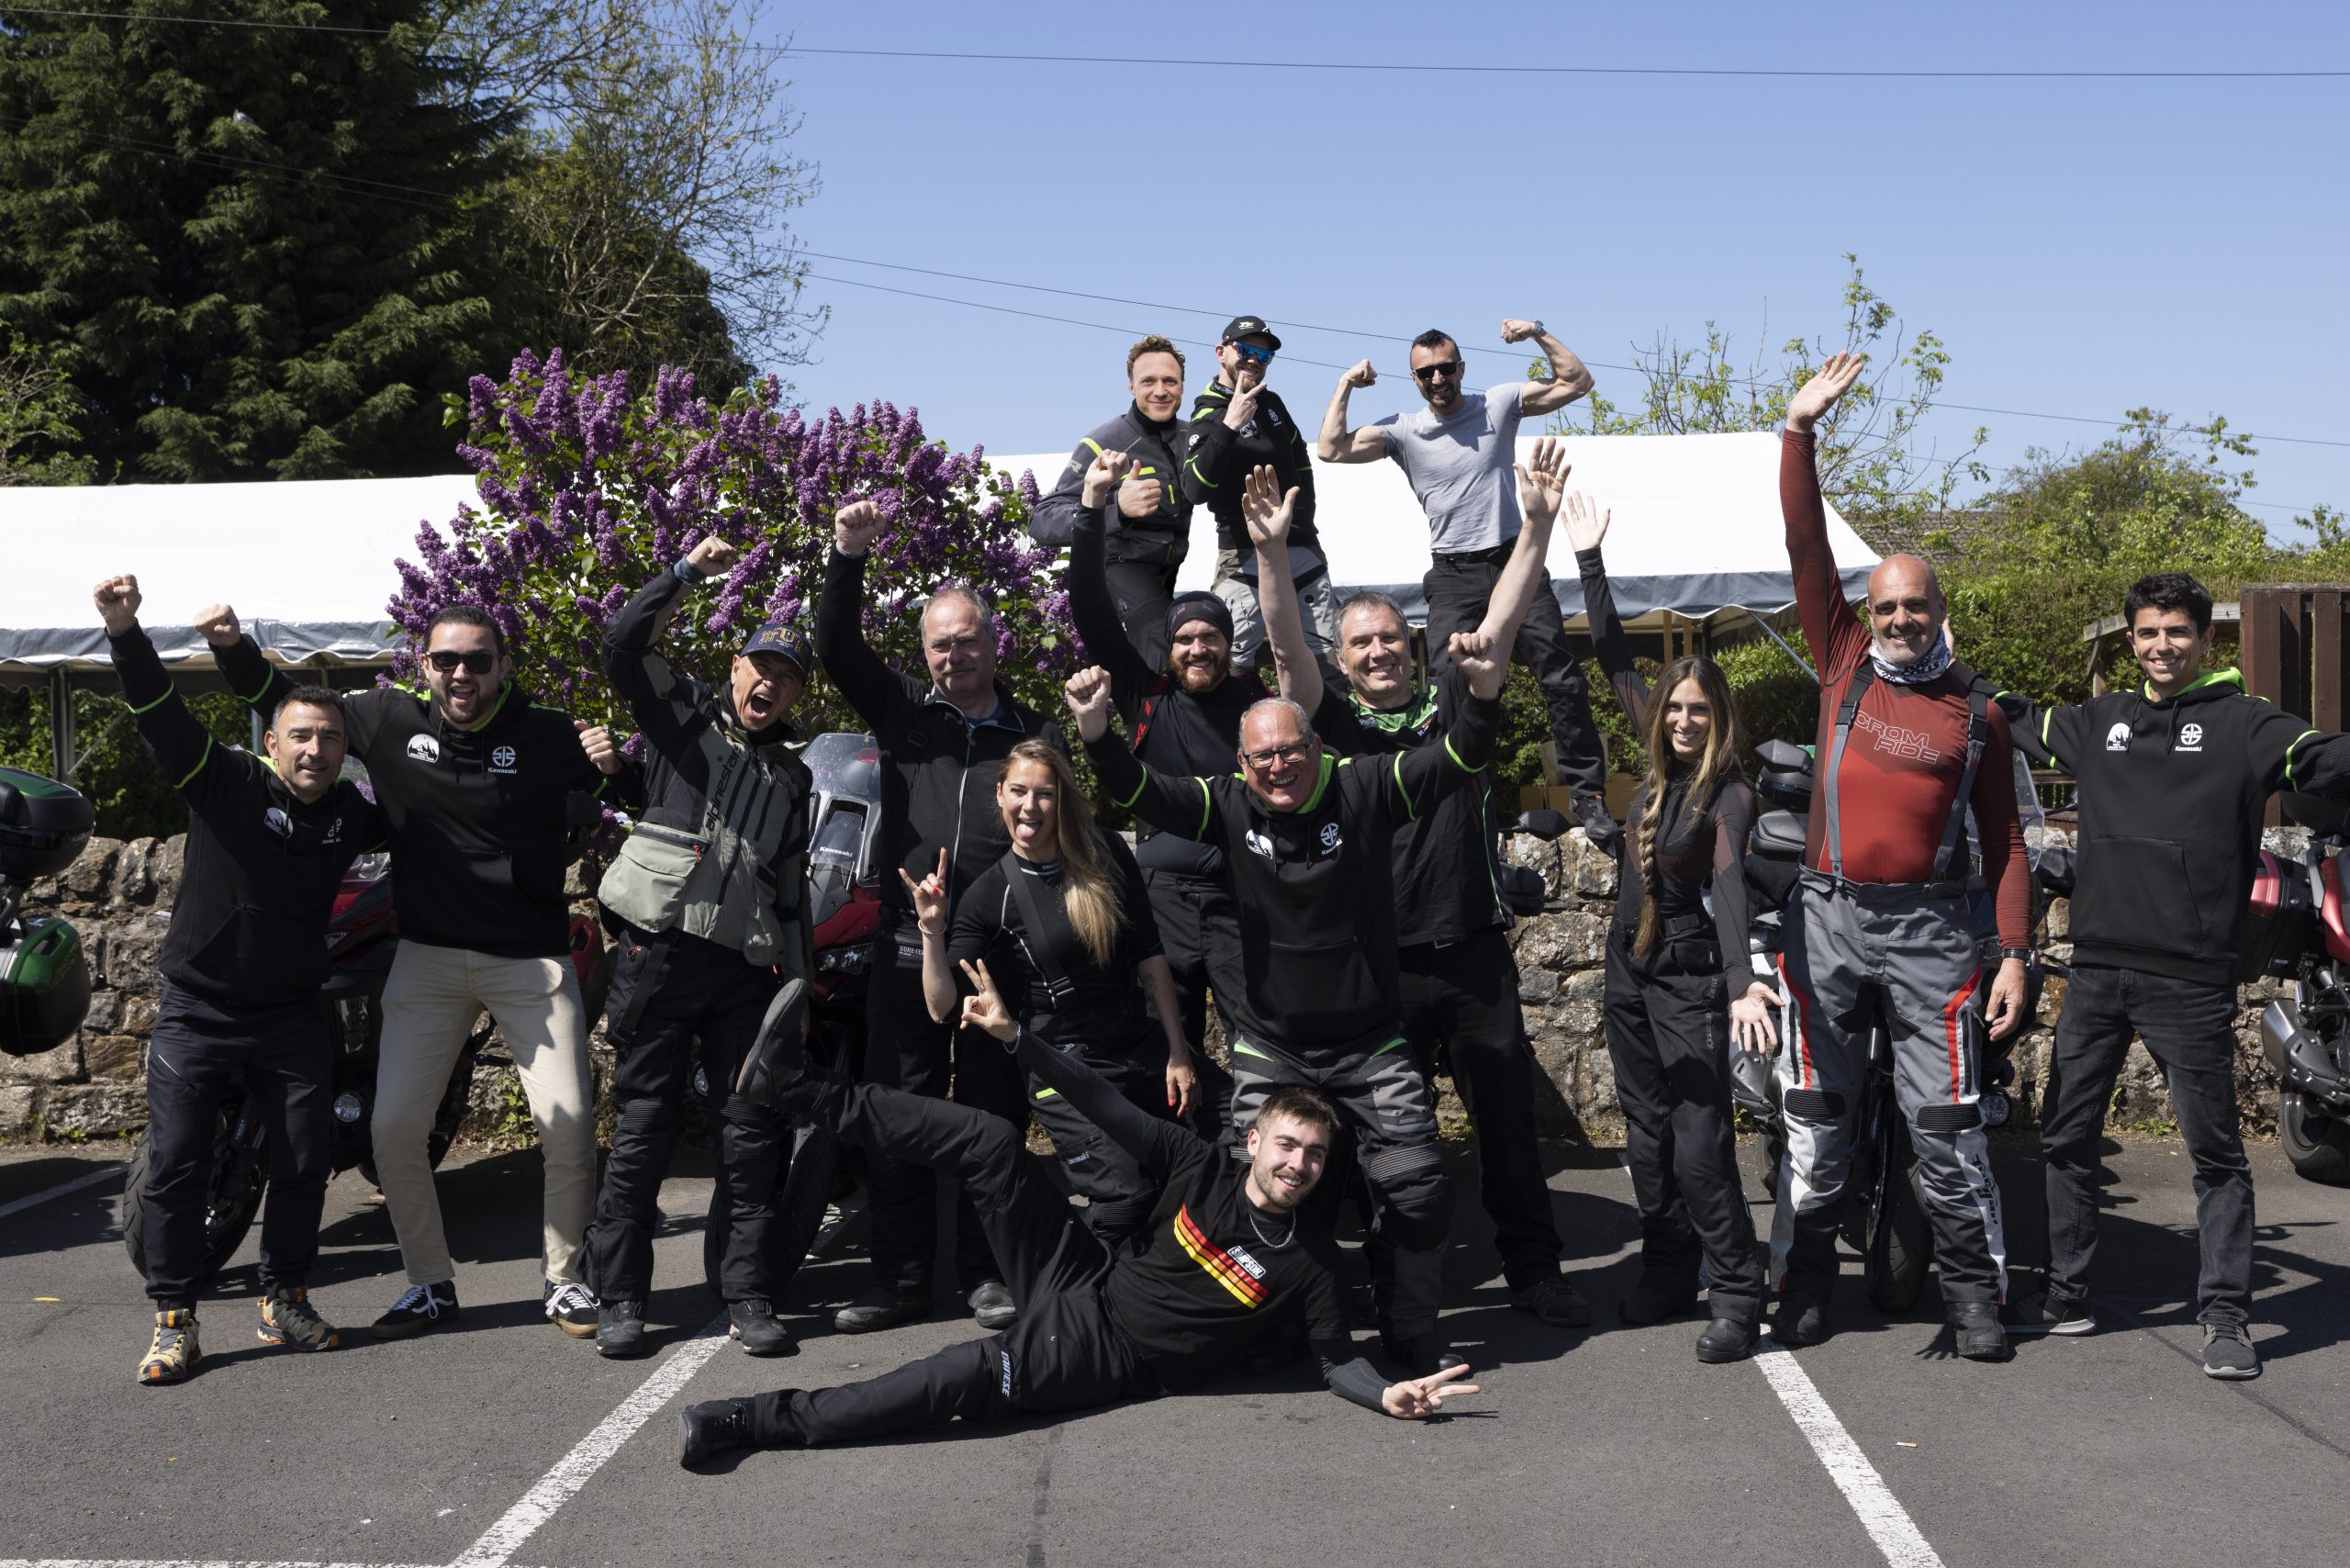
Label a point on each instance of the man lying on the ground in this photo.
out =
(1226, 1262)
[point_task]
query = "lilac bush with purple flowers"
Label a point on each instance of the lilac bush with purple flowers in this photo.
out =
(587, 491)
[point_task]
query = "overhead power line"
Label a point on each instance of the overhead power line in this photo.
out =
(798, 50)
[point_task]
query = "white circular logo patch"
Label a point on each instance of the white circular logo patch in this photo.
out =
(502, 757)
(2190, 735)
(1329, 835)
(424, 748)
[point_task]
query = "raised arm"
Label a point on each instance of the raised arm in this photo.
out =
(1426, 774)
(1172, 805)
(939, 991)
(259, 684)
(1838, 639)
(1339, 444)
(182, 747)
(2290, 755)
(640, 676)
(1091, 605)
(1541, 485)
(1269, 510)
(870, 686)
(1569, 379)
(1587, 526)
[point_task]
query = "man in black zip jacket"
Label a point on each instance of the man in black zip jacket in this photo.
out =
(476, 781)
(1152, 532)
(1309, 838)
(242, 962)
(1184, 717)
(1224, 1262)
(1459, 975)
(1238, 424)
(2173, 779)
(943, 741)
(706, 898)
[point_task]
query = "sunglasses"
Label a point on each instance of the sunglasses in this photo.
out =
(1275, 757)
(1430, 372)
(1253, 355)
(478, 661)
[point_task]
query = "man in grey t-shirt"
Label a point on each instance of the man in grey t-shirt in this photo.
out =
(1459, 453)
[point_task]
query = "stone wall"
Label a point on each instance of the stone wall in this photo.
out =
(118, 895)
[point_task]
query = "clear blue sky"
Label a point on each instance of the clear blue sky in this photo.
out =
(2082, 247)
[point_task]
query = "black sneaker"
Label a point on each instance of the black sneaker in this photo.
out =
(420, 1307)
(1555, 1301)
(1591, 814)
(713, 1426)
(1422, 1355)
(2228, 1353)
(992, 1306)
(572, 1308)
(880, 1309)
(620, 1330)
(751, 1320)
(1801, 1320)
(1725, 1339)
(2046, 1315)
(1975, 1325)
(1645, 1305)
(776, 1052)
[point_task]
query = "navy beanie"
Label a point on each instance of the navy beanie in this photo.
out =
(1199, 605)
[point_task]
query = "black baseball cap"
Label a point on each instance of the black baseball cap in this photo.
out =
(1250, 327)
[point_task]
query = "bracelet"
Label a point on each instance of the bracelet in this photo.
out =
(2021, 955)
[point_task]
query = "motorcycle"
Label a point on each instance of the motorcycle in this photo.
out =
(362, 934)
(2297, 928)
(1885, 1219)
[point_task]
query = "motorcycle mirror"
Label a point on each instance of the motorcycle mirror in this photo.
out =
(1542, 823)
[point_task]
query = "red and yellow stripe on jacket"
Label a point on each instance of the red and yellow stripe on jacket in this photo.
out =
(1194, 1241)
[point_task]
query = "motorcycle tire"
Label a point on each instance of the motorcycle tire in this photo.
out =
(1900, 1244)
(240, 1177)
(2317, 1142)
(455, 1101)
(803, 1191)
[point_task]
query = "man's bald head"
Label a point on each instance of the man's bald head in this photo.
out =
(1906, 608)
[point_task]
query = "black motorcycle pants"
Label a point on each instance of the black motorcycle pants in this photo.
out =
(676, 1000)
(203, 1053)
(1064, 1354)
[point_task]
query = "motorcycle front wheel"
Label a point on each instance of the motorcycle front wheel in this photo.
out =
(1900, 1243)
(240, 1177)
(2315, 1140)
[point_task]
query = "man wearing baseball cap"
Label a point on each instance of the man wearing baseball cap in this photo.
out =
(1239, 424)
(704, 900)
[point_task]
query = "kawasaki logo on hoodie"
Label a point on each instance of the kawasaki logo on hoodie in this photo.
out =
(2191, 738)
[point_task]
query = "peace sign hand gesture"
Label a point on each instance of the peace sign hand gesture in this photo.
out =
(984, 1008)
(1417, 1398)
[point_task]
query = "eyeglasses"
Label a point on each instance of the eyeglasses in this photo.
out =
(1253, 355)
(478, 661)
(1276, 755)
(1430, 372)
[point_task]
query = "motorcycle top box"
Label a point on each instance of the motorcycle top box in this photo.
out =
(43, 824)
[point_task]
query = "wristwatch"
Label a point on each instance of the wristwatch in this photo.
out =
(2020, 954)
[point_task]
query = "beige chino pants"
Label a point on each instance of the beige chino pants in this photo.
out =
(431, 1000)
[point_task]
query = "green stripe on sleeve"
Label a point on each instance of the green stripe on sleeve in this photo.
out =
(1457, 762)
(1193, 465)
(1410, 810)
(1140, 787)
(2288, 758)
(147, 707)
(255, 700)
(199, 764)
(1202, 832)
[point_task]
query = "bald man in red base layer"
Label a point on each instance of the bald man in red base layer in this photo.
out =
(1881, 925)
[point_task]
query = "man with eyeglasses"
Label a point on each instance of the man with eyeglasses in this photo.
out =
(1239, 424)
(475, 780)
(1460, 453)
(1151, 529)
(1456, 974)
(1309, 840)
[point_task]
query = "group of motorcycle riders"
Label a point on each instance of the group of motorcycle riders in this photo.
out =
(1321, 862)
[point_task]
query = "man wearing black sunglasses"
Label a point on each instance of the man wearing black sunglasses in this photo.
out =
(476, 782)
(1239, 424)
(1460, 453)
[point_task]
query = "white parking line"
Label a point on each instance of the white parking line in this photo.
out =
(182, 1563)
(91, 1179)
(1881, 1513)
(500, 1543)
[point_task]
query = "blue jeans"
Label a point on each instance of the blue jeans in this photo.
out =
(2189, 1029)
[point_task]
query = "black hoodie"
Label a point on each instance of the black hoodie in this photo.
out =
(2171, 796)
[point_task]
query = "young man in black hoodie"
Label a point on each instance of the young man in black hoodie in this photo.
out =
(267, 845)
(2173, 778)
(476, 782)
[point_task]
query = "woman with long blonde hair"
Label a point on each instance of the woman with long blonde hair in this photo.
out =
(1673, 970)
(1063, 925)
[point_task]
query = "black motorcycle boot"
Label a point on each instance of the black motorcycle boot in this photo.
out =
(1725, 1339)
(1801, 1320)
(751, 1320)
(712, 1428)
(620, 1330)
(777, 1055)
(1974, 1325)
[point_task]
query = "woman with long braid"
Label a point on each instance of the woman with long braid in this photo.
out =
(1064, 922)
(1673, 972)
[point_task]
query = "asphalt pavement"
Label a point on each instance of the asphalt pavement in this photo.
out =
(501, 1441)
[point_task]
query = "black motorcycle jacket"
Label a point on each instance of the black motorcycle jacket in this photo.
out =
(720, 849)
(938, 769)
(1216, 468)
(248, 922)
(1315, 888)
(478, 816)
(2171, 798)
(1162, 539)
